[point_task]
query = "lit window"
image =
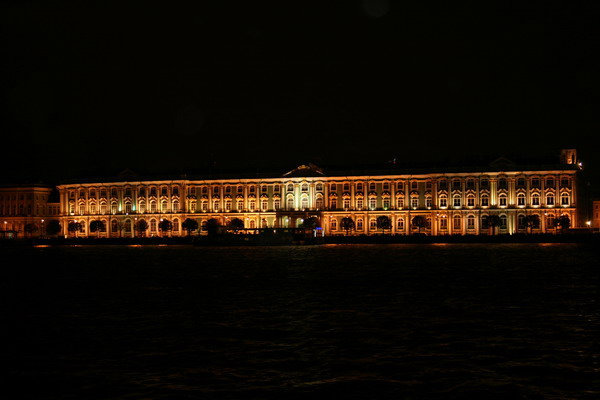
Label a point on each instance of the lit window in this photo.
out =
(456, 201)
(346, 204)
(521, 200)
(485, 201)
(502, 201)
(372, 204)
(564, 200)
(414, 202)
(471, 201)
(443, 202)
(535, 200)
(359, 204)
(333, 224)
(550, 200)
(457, 222)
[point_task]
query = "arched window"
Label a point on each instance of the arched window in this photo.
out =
(240, 205)
(319, 187)
(175, 206)
(304, 205)
(153, 206)
(252, 205)
(142, 207)
(114, 226)
(535, 199)
(333, 224)
(550, 221)
(470, 201)
(359, 187)
(503, 221)
(521, 200)
(227, 205)
(127, 207)
(319, 202)
(456, 201)
(290, 187)
(373, 224)
(400, 224)
(127, 226)
(113, 207)
(502, 200)
(163, 206)
(443, 201)
(564, 199)
(216, 205)
(359, 224)
(305, 187)
(142, 192)
(550, 199)
(290, 203)
(521, 221)
(252, 224)
(264, 204)
(457, 222)
(485, 200)
(263, 223)
(471, 222)
(176, 225)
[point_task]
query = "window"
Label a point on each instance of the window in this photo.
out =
(428, 202)
(443, 224)
(502, 201)
(372, 203)
(304, 187)
(359, 224)
(386, 186)
(333, 204)
(240, 189)
(400, 224)
(264, 204)
(240, 205)
(373, 224)
(113, 208)
(428, 185)
(176, 225)
(386, 203)
(163, 206)
(484, 184)
(485, 201)
(333, 187)
(372, 186)
(457, 222)
(346, 187)
(535, 183)
(215, 191)
(252, 189)
(227, 205)
(521, 183)
(359, 188)
(176, 206)
(503, 221)
(152, 225)
(92, 209)
(456, 201)
(227, 189)
(290, 187)
(471, 222)
(564, 199)
(400, 201)
(359, 204)
(103, 208)
(414, 185)
(304, 203)
(550, 199)
(264, 188)
(163, 191)
(333, 224)
(152, 206)
(319, 187)
(471, 201)
(192, 207)
(81, 209)
(252, 205)
(443, 185)
(414, 202)
(502, 184)
(455, 185)
(290, 203)
(276, 204)
(128, 192)
(564, 182)
(204, 206)
(521, 200)
(549, 182)
(142, 192)
(103, 193)
(216, 205)
(346, 203)
(319, 203)
(127, 207)
(535, 200)
(153, 192)
(470, 184)
(443, 202)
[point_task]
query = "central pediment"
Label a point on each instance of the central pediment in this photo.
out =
(305, 170)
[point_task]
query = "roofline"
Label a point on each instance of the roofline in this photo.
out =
(342, 175)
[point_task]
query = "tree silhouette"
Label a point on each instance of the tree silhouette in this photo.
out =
(492, 221)
(383, 223)
(165, 225)
(97, 226)
(74, 227)
(419, 222)
(311, 223)
(564, 222)
(531, 221)
(53, 227)
(141, 226)
(236, 224)
(190, 225)
(30, 228)
(212, 226)
(347, 224)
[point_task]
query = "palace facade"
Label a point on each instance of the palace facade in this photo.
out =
(446, 202)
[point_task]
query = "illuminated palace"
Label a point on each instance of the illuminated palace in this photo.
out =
(448, 202)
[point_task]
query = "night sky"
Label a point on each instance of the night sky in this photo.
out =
(93, 87)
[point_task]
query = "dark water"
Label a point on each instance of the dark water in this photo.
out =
(345, 321)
